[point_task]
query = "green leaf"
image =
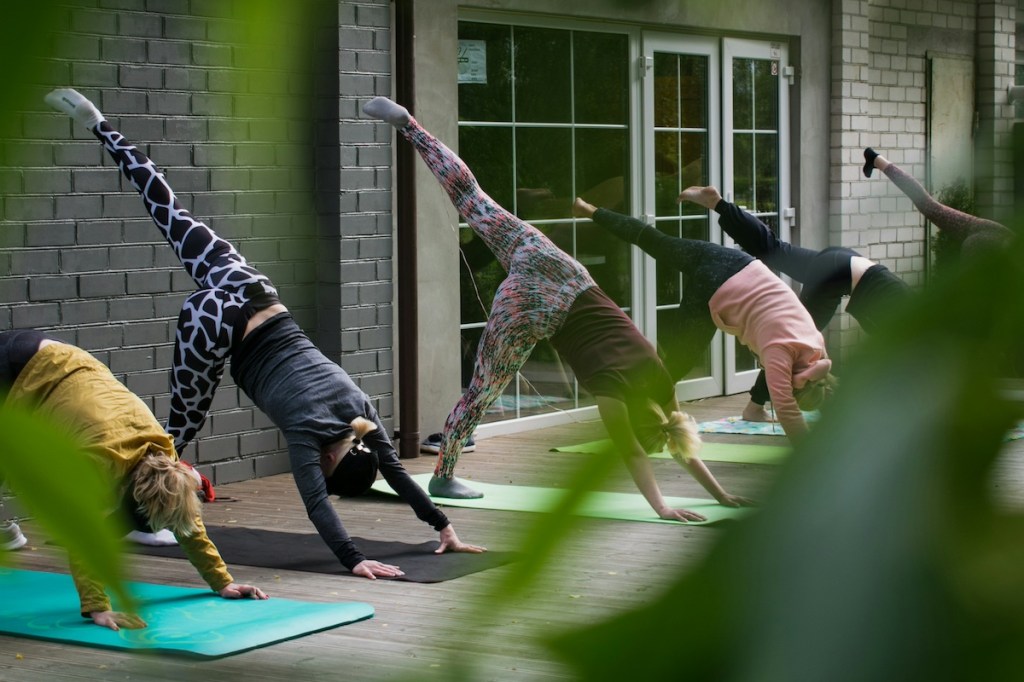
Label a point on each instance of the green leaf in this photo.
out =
(66, 491)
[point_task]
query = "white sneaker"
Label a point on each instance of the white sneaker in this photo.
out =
(11, 537)
(161, 538)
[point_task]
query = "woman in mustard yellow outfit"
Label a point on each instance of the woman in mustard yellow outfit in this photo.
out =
(77, 392)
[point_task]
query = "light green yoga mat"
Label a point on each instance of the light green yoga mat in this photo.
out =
(713, 452)
(186, 621)
(601, 505)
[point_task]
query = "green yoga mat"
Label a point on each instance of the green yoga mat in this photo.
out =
(713, 452)
(185, 621)
(601, 505)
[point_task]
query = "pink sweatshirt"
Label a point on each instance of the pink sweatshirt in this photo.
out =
(765, 315)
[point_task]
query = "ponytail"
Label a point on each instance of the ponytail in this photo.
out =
(683, 439)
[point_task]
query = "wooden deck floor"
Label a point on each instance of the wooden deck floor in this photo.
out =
(419, 629)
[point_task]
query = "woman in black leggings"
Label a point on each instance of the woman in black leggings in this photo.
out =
(826, 276)
(336, 442)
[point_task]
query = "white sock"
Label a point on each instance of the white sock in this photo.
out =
(161, 538)
(384, 109)
(75, 105)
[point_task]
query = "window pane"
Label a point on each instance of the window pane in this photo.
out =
(743, 169)
(544, 163)
(601, 83)
(694, 154)
(667, 183)
(490, 101)
(488, 153)
(480, 275)
(766, 94)
(602, 168)
(742, 94)
(767, 188)
(543, 85)
(666, 91)
(693, 90)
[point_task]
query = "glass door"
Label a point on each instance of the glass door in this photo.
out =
(681, 143)
(755, 161)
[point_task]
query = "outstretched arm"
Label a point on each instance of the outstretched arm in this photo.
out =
(615, 416)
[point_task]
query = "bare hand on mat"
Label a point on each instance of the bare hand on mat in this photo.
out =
(683, 515)
(236, 591)
(372, 569)
(115, 620)
(450, 543)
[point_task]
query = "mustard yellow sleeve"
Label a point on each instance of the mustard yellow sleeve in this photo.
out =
(203, 554)
(91, 594)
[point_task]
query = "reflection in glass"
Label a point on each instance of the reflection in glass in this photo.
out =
(487, 151)
(693, 90)
(600, 77)
(743, 170)
(666, 91)
(742, 94)
(667, 183)
(602, 157)
(544, 162)
(766, 182)
(543, 82)
(490, 101)
(545, 383)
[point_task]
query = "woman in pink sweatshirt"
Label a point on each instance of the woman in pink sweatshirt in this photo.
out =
(730, 290)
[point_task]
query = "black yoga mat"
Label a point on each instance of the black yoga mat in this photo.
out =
(307, 552)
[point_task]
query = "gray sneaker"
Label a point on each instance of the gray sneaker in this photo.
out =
(11, 536)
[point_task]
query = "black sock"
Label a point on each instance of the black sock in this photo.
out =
(869, 161)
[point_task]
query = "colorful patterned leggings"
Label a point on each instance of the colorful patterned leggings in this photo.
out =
(213, 318)
(530, 304)
(972, 231)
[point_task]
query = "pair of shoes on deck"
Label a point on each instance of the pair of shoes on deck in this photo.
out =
(433, 444)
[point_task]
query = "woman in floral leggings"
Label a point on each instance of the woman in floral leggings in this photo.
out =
(336, 442)
(549, 295)
(971, 232)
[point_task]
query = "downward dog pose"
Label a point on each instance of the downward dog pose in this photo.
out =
(826, 276)
(971, 232)
(730, 290)
(336, 442)
(548, 294)
(79, 395)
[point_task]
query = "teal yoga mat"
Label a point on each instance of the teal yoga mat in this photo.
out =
(601, 505)
(740, 453)
(186, 621)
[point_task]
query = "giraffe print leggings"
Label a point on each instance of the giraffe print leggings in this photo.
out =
(530, 304)
(962, 226)
(213, 318)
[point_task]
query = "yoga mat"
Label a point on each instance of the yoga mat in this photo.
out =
(307, 552)
(601, 505)
(740, 425)
(713, 452)
(184, 621)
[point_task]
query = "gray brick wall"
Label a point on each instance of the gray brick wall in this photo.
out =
(235, 113)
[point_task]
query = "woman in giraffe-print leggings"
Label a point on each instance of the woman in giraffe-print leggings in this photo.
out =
(549, 295)
(972, 233)
(336, 442)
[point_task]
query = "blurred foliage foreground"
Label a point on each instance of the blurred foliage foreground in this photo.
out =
(881, 553)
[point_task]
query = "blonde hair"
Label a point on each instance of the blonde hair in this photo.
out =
(683, 440)
(680, 430)
(814, 393)
(166, 494)
(360, 427)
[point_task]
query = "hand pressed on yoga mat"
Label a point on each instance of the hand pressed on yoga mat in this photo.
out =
(371, 569)
(115, 620)
(236, 591)
(450, 543)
